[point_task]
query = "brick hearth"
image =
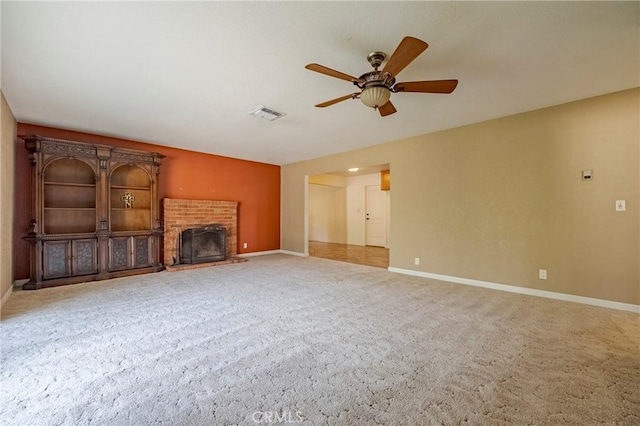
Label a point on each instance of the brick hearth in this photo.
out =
(179, 215)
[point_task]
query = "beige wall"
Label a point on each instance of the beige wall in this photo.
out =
(7, 179)
(329, 180)
(499, 200)
(327, 198)
(327, 213)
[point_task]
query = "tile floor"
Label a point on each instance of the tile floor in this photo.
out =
(363, 255)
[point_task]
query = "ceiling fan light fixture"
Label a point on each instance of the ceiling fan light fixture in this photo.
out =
(375, 96)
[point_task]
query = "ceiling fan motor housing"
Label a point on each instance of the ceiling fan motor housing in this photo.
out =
(375, 78)
(376, 88)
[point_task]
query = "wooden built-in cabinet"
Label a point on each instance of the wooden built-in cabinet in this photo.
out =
(94, 212)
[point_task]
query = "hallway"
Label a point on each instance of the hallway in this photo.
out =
(363, 255)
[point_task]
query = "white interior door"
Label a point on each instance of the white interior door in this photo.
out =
(376, 216)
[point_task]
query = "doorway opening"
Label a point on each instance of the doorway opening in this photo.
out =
(348, 216)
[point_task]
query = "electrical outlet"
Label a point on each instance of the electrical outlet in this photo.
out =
(244, 245)
(542, 274)
(621, 205)
(417, 261)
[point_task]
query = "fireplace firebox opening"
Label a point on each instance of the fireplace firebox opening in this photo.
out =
(204, 244)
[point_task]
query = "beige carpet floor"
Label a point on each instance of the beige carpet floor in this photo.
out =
(315, 341)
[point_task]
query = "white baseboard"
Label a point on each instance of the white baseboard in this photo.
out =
(523, 290)
(6, 296)
(16, 283)
(260, 253)
(267, 252)
(20, 283)
(293, 253)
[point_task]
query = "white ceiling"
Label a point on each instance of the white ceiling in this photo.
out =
(186, 74)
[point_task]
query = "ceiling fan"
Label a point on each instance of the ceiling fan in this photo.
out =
(376, 86)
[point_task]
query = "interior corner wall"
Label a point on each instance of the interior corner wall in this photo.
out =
(7, 183)
(183, 175)
(497, 201)
(327, 213)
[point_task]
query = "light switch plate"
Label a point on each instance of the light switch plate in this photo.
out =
(621, 205)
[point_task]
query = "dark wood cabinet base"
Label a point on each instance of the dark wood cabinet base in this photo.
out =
(33, 285)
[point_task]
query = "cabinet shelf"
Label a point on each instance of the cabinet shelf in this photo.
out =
(79, 185)
(69, 195)
(131, 188)
(71, 208)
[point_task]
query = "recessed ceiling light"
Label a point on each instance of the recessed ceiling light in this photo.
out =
(354, 169)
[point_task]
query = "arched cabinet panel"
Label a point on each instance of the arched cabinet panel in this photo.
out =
(69, 197)
(95, 212)
(130, 198)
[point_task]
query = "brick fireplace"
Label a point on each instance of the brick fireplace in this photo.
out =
(180, 215)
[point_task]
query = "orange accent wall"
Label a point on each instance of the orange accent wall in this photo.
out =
(183, 174)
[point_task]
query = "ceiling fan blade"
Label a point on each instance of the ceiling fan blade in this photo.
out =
(336, 100)
(433, 86)
(408, 49)
(387, 109)
(331, 73)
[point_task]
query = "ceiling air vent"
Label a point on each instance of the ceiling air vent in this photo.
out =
(266, 113)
